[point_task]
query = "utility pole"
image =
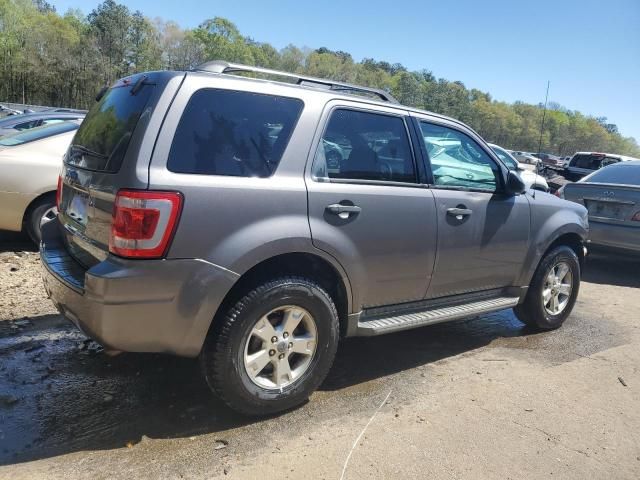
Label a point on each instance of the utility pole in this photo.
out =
(544, 114)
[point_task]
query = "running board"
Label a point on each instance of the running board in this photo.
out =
(381, 325)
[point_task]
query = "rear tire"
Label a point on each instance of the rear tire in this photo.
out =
(550, 299)
(241, 363)
(41, 211)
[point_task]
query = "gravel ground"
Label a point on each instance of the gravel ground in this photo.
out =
(478, 399)
(21, 286)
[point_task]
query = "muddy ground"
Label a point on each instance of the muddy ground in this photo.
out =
(484, 398)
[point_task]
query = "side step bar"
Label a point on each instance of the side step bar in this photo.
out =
(405, 321)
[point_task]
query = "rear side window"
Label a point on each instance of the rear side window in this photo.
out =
(226, 132)
(103, 137)
(364, 146)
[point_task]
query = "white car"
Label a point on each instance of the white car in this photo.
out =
(30, 162)
(525, 157)
(530, 178)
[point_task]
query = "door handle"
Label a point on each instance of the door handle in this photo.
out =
(343, 211)
(459, 213)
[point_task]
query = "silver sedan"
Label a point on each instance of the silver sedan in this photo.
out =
(612, 196)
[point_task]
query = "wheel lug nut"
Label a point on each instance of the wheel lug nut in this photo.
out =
(285, 334)
(272, 353)
(290, 344)
(281, 356)
(274, 339)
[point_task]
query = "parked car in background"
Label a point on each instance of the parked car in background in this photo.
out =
(565, 161)
(205, 222)
(25, 121)
(584, 163)
(30, 162)
(530, 179)
(8, 111)
(550, 161)
(612, 197)
(525, 157)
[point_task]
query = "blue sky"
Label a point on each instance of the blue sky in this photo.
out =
(589, 50)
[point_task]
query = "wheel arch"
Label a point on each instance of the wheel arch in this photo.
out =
(34, 203)
(571, 235)
(304, 264)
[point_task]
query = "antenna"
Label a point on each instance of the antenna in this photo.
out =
(544, 114)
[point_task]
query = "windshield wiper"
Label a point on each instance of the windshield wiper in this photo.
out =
(87, 151)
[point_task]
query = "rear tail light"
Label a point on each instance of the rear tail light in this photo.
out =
(59, 192)
(143, 223)
(636, 217)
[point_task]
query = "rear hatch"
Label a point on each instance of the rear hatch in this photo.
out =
(109, 152)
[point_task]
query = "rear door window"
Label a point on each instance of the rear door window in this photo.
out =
(102, 140)
(227, 132)
(361, 145)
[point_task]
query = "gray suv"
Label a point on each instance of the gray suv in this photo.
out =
(254, 223)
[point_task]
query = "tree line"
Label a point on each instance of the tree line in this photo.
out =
(62, 60)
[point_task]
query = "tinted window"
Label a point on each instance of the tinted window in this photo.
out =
(457, 160)
(104, 135)
(621, 174)
(592, 162)
(224, 132)
(27, 125)
(37, 133)
(364, 146)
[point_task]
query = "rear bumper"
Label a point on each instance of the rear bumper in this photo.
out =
(135, 305)
(618, 237)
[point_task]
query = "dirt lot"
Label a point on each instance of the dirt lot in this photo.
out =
(483, 398)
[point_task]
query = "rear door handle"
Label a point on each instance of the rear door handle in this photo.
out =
(343, 211)
(459, 213)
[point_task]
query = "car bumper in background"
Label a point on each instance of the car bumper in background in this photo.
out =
(616, 237)
(135, 305)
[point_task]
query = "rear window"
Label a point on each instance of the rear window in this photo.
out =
(620, 174)
(104, 135)
(226, 132)
(591, 161)
(37, 133)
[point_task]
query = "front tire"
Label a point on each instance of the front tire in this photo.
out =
(553, 290)
(273, 348)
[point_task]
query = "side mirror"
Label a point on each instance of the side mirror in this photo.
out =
(514, 184)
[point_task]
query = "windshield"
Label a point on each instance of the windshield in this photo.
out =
(507, 159)
(103, 138)
(37, 133)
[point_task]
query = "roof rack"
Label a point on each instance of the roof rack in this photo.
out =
(220, 66)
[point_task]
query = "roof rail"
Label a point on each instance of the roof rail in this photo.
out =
(220, 66)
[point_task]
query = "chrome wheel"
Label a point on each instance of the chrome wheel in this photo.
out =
(557, 288)
(48, 215)
(280, 347)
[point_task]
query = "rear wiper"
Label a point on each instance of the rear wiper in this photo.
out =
(88, 151)
(138, 85)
